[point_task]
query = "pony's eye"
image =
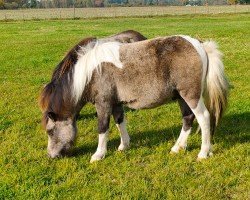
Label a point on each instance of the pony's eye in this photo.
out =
(50, 132)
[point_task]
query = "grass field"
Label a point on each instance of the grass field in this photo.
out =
(67, 13)
(29, 52)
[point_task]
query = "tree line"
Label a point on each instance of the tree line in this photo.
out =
(16, 4)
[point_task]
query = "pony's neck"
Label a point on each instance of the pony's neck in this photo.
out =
(91, 60)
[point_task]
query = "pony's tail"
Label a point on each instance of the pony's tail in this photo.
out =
(216, 84)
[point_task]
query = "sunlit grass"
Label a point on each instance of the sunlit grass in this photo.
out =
(29, 52)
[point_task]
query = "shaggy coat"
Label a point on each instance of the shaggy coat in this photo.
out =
(140, 75)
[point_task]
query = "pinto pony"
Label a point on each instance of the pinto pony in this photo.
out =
(140, 75)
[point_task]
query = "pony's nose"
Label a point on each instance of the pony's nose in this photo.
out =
(54, 155)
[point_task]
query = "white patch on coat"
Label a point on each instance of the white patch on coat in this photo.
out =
(102, 147)
(201, 51)
(125, 139)
(90, 58)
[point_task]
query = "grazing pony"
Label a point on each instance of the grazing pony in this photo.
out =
(140, 75)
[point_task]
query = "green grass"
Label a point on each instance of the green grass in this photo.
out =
(29, 52)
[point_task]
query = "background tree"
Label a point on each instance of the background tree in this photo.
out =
(1, 4)
(232, 2)
(14, 4)
(33, 4)
(183, 2)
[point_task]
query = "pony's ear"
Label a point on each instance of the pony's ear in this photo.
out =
(52, 116)
(50, 124)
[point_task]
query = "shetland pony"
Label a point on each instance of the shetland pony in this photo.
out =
(139, 75)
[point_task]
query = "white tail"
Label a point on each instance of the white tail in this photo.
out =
(216, 90)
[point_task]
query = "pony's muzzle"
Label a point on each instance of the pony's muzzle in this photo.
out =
(65, 151)
(53, 155)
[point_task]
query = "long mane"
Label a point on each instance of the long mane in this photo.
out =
(71, 58)
(90, 59)
(53, 97)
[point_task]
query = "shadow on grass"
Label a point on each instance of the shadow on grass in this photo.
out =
(94, 114)
(86, 116)
(234, 129)
(139, 139)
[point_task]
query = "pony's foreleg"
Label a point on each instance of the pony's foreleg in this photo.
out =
(118, 114)
(103, 128)
(187, 119)
(125, 139)
(203, 117)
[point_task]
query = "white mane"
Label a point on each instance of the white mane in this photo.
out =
(90, 58)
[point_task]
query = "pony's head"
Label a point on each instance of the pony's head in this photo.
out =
(58, 121)
(61, 135)
(59, 110)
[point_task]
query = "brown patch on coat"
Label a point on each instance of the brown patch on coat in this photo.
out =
(128, 36)
(185, 67)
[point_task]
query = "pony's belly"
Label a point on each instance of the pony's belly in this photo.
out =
(144, 105)
(151, 100)
(144, 92)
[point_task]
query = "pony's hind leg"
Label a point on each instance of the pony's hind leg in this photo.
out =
(203, 117)
(118, 114)
(187, 119)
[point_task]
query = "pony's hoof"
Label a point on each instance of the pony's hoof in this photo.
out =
(176, 149)
(173, 152)
(204, 156)
(123, 147)
(210, 154)
(200, 159)
(96, 157)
